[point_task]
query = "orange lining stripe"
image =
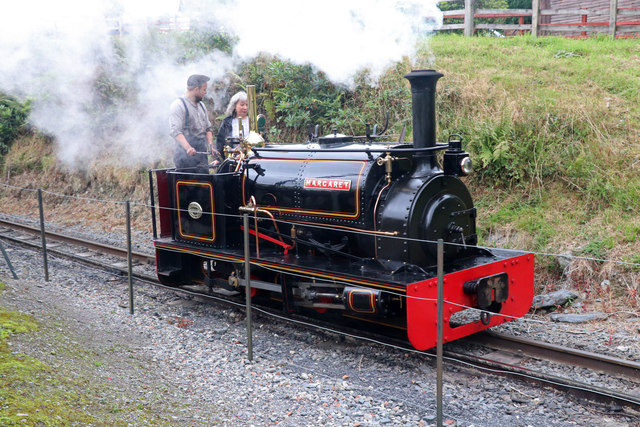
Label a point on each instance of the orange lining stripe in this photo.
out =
(327, 214)
(371, 301)
(284, 267)
(213, 223)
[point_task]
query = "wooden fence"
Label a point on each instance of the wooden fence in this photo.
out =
(622, 22)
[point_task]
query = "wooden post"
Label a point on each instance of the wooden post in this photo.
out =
(535, 17)
(469, 11)
(613, 17)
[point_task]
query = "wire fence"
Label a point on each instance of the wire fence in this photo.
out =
(531, 323)
(400, 351)
(145, 206)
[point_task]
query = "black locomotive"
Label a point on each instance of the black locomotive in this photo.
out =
(346, 230)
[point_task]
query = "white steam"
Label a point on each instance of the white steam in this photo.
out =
(52, 51)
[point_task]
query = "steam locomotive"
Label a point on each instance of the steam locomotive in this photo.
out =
(345, 230)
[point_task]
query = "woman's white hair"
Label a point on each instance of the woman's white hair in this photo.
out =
(231, 108)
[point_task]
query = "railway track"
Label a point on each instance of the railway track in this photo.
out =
(505, 356)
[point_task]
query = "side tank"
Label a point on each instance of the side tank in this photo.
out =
(332, 184)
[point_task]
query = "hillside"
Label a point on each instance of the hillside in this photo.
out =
(553, 126)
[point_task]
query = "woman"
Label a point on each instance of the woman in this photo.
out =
(238, 108)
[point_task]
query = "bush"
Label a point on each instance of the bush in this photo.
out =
(293, 96)
(13, 120)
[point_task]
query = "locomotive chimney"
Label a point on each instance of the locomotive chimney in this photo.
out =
(423, 97)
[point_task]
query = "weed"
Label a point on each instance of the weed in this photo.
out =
(632, 298)
(595, 249)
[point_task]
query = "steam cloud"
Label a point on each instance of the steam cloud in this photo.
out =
(52, 51)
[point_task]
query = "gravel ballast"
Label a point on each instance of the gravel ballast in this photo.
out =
(185, 361)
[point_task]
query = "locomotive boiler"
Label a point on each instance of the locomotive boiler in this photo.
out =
(346, 229)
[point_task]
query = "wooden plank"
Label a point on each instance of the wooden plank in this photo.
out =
(613, 17)
(524, 27)
(572, 11)
(25, 237)
(509, 12)
(582, 24)
(562, 28)
(457, 12)
(628, 12)
(495, 15)
(452, 27)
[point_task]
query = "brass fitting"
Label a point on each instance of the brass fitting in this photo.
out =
(387, 161)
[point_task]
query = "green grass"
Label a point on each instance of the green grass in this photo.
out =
(554, 124)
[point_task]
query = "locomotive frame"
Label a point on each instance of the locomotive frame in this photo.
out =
(346, 231)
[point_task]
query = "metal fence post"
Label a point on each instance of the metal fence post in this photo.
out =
(44, 239)
(439, 337)
(129, 267)
(6, 258)
(247, 278)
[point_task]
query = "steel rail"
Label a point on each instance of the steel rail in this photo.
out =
(109, 267)
(101, 247)
(579, 389)
(611, 365)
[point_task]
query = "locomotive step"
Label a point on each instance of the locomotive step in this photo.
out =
(169, 272)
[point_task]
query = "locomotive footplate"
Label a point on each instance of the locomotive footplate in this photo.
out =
(495, 287)
(337, 270)
(497, 292)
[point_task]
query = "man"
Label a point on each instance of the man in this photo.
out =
(189, 125)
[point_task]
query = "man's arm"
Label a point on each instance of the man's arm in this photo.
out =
(185, 144)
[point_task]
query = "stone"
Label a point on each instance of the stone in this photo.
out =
(577, 318)
(564, 260)
(553, 299)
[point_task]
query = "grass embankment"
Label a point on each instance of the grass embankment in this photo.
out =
(553, 126)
